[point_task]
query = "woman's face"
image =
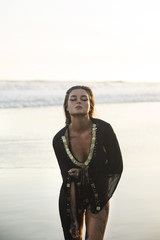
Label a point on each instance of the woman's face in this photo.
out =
(78, 102)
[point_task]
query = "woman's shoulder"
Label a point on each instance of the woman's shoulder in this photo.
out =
(101, 123)
(103, 126)
(59, 134)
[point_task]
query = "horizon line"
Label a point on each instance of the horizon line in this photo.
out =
(71, 80)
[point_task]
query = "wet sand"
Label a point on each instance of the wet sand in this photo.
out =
(30, 178)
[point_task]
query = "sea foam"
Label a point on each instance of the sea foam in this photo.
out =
(20, 94)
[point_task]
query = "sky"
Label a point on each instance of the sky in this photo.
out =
(84, 40)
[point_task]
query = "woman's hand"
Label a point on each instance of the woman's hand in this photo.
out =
(74, 172)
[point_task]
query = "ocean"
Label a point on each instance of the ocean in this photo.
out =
(19, 94)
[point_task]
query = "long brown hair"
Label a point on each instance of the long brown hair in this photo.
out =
(91, 99)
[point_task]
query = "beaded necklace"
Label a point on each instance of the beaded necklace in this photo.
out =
(90, 155)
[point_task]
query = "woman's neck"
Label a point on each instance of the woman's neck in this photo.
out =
(80, 124)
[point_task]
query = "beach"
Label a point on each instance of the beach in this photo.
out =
(30, 178)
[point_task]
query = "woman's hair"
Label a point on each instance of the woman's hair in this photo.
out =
(65, 105)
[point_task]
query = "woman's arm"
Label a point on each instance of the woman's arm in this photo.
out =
(115, 164)
(113, 148)
(61, 158)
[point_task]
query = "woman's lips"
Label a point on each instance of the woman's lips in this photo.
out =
(78, 107)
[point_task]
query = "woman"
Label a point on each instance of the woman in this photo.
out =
(90, 161)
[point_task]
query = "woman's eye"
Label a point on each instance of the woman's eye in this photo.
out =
(72, 99)
(82, 99)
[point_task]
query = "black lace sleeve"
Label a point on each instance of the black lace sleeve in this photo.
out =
(115, 166)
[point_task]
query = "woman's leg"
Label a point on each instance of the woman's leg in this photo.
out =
(74, 227)
(96, 223)
(66, 220)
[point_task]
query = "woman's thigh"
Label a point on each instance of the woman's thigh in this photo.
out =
(96, 223)
(65, 219)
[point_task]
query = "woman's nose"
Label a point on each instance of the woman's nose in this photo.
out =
(78, 100)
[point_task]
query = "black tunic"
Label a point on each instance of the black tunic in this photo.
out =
(104, 170)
